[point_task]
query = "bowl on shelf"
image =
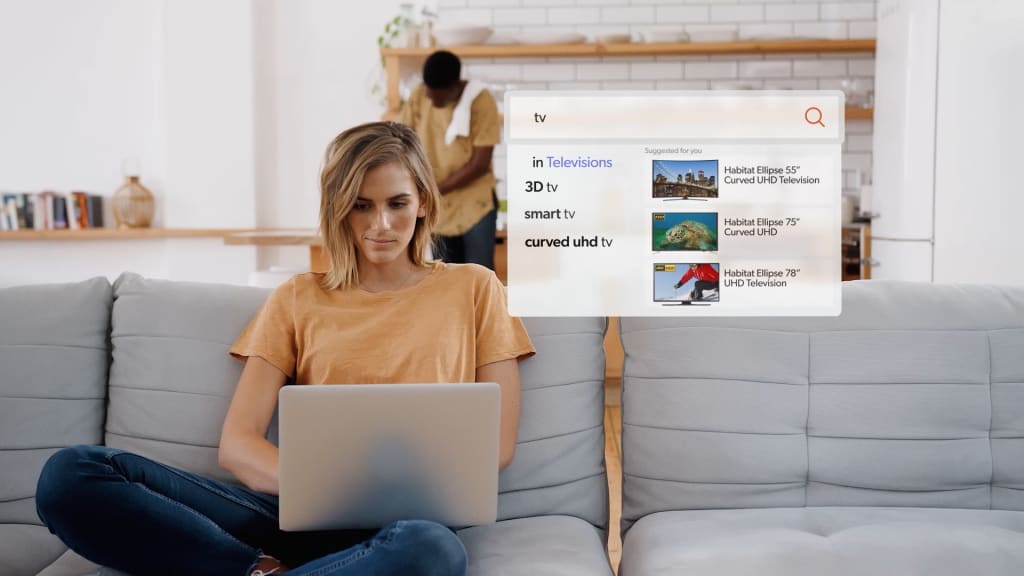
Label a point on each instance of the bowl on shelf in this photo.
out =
(501, 40)
(714, 36)
(542, 37)
(462, 35)
(663, 36)
(764, 36)
(614, 39)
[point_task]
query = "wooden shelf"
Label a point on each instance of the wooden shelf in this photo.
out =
(858, 113)
(852, 113)
(641, 49)
(119, 234)
(274, 237)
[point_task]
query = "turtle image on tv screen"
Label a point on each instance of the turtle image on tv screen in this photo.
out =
(684, 231)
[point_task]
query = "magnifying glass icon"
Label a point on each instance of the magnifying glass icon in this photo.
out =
(813, 115)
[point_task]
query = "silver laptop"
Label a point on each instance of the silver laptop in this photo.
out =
(364, 455)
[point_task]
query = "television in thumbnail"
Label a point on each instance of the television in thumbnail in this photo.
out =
(684, 284)
(684, 231)
(684, 179)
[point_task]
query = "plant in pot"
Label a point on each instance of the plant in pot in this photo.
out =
(401, 30)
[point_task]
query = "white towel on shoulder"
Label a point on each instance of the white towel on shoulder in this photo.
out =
(460, 116)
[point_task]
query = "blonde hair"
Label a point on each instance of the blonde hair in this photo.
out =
(349, 157)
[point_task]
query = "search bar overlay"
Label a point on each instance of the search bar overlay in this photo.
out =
(748, 115)
(674, 204)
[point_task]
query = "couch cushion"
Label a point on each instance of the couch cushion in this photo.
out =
(171, 378)
(543, 545)
(54, 352)
(826, 542)
(914, 396)
(539, 546)
(559, 462)
(71, 564)
(25, 549)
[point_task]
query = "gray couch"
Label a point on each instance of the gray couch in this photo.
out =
(142, 365)
(889, 440)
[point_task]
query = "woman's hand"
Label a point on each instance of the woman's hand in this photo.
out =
(244, 449)
(506, 374)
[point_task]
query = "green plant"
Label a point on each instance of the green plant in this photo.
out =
(393, 28)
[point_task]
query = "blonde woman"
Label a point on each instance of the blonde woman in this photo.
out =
(383, 313)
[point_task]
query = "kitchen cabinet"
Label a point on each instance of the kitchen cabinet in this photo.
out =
(856, 252)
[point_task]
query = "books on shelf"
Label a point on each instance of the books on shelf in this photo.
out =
(50, 210)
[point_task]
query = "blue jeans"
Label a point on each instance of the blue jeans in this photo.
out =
(476, 246)
(127, 512)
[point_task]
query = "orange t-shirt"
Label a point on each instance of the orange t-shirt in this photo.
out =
(441, 329)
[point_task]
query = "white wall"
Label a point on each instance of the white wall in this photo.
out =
(315, 63)
(79, 93)
(207, 110)
(227, 104)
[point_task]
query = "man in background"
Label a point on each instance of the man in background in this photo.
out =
(458, 123)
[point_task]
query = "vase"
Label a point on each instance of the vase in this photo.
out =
(133, 204)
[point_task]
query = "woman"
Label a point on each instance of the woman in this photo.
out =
(382, 313)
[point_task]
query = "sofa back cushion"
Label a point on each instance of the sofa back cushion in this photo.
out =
(54, 352)
(914, 396)
(171, 382)
(559, 463)
(171, 378)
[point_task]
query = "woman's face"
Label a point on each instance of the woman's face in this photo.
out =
(384, 215)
